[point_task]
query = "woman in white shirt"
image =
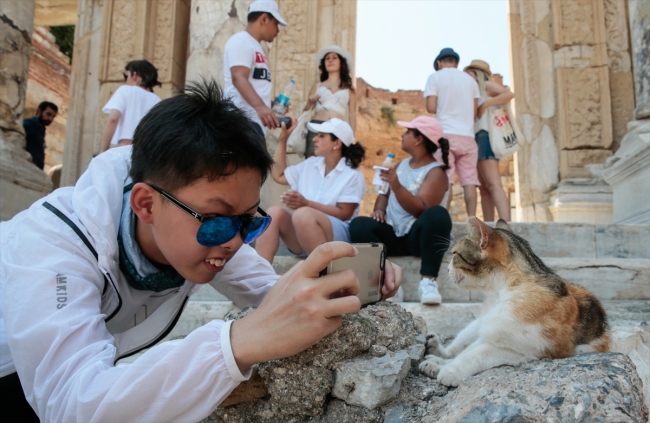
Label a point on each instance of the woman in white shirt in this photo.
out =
(334, 95)
(410, 219)
(492, 94)
(128, 105)
(325, 194)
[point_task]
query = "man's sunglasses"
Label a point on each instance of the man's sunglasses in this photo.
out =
(220, 229)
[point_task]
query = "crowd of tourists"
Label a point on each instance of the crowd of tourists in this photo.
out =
(100, 271)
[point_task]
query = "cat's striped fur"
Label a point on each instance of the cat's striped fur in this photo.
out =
(529, 311)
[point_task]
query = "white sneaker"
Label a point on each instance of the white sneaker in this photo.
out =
(398, 297)
(428, 291)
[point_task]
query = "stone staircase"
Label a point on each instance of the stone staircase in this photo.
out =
(613, 261)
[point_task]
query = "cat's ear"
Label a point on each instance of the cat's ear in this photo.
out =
(502, 224)
(482, 232)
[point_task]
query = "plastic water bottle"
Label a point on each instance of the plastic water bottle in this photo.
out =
(381, 187)
(283, 99)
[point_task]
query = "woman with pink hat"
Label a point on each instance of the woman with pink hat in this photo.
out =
(492, 94)
(410, 218)
(333, 96)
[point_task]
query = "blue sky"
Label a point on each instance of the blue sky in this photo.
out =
(397, 40)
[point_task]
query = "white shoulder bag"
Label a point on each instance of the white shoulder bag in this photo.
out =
(505, 135)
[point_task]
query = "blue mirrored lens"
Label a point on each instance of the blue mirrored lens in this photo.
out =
(218, 230)
(256, 228)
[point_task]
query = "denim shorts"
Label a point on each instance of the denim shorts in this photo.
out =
(484, 149)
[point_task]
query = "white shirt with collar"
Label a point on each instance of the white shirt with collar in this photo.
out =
(342, 185)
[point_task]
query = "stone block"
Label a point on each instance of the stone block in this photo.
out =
(537, 63)
(582, 200)
(543, 165)
(639, 34)
(623, 241)
(587, 387)
(370, 383)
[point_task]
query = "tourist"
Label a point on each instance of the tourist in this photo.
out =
(334, 96)
(452, 96)
(246, 71)
(130, 103)
(100, 271)
(35, 131)
(411, 220)
(492, 94)
(325, 194)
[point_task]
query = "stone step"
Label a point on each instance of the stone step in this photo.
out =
(607, 278)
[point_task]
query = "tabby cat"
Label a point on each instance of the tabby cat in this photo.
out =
(528, 313)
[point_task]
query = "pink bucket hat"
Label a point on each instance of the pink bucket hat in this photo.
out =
(427, 125)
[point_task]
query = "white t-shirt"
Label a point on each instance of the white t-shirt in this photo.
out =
(244, 50)
(456, 92)
(133, 102)
(342, 185)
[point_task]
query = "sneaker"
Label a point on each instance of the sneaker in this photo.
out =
(428, 291)
(398, 297)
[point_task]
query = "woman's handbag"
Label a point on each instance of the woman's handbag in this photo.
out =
(505, 135)
(298, 138)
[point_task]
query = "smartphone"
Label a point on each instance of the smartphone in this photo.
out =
(285, 120)
(368, 266)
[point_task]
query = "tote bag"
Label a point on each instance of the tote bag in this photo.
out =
(505, 136)
(298, 138)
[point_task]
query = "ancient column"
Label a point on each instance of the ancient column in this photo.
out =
(628, 171)
(573, 87)
(108, 35)
(21, 182)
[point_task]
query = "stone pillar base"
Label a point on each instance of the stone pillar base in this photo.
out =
(21, 182)
(582, 200)
(628, 173)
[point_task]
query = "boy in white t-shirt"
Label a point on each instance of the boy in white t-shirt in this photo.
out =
(128, 105)
(246, 71)
(452, 95)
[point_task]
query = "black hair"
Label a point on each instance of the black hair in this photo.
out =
(146, 71)
(252, 17)
(45, 104)
(196, 134)
(432, 148)
(344, 72)
(354, 154)
(449, 59)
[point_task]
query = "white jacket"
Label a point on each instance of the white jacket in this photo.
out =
(66, 315)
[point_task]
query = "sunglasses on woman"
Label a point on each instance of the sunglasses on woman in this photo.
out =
(221, 229)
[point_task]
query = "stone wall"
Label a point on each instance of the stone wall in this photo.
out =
(571, 63)
(49, 80)
(379, 136)
(109, 34)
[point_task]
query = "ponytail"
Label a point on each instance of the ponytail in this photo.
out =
(444, 147)
(354, 154)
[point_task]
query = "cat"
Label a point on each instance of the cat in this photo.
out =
(528, 313)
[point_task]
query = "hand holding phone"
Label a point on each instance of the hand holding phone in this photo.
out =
(285, 120)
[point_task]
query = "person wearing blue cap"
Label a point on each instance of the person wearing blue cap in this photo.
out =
(452, 95)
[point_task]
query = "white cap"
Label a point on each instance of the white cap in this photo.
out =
(268, 6)
(336, 126)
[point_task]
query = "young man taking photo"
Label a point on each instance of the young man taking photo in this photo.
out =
(452, 95)
(100, 271)
(35, 131)
(246, 71)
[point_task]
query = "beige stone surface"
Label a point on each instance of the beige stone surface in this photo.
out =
(55, 12)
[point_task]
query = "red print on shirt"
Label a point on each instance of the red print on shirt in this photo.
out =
(259, 57)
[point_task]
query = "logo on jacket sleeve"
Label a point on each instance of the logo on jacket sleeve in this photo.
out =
(61, 291)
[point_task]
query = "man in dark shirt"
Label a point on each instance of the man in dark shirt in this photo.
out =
(35, 131)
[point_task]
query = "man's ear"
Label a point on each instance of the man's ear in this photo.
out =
(481, 232)
(142, 197)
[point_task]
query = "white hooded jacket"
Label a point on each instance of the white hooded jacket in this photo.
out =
(67, 314)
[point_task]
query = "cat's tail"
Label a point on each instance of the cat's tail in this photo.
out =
(592, 329)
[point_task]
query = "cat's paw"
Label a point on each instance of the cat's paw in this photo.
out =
(429, 368)
(449, 376)
(434, 346)
(437, 360)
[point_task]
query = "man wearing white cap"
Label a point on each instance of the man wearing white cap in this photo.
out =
(246, 71)
(326, 190)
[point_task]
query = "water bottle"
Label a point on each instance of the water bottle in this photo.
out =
(381, 187)
(283, 99)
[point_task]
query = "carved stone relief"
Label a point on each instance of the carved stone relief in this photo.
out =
(640, 36)
(537, 62)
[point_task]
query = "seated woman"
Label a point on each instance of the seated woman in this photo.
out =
(325, 191)
(334, 95)
(409, 219)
